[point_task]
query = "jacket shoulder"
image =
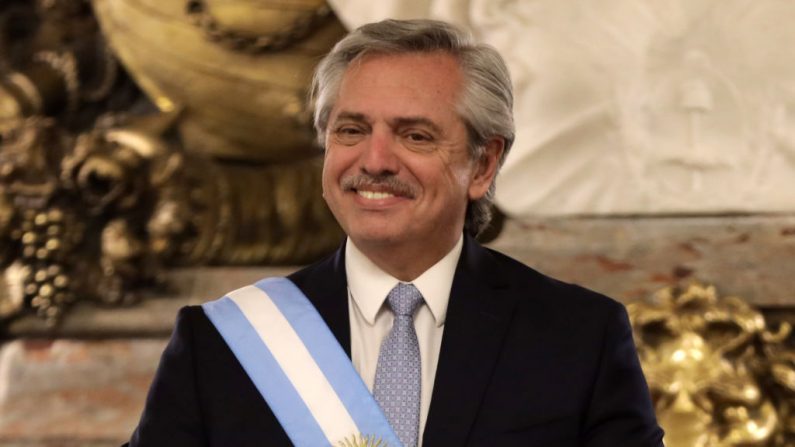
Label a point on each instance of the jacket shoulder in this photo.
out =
(330, 266)
(546, 290)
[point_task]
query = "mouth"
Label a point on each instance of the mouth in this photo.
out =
(374, 195)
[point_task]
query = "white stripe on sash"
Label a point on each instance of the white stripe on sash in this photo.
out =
(298, 365)
(296, 362)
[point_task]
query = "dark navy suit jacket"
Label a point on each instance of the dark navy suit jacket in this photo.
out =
(525, 361)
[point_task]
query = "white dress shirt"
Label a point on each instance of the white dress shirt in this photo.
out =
(371, 320)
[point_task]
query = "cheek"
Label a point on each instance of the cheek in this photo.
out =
(337, 163)
(332, 161)
(458, 175)
(447, 187)
(328, 175)
(463, 177)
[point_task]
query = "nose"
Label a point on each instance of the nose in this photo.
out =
(379, 156)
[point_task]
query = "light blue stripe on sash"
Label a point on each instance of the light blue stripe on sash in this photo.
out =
(265, 372)
(330, 357)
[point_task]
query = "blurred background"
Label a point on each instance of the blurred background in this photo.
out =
(158, 154)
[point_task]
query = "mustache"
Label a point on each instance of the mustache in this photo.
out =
(388, 182)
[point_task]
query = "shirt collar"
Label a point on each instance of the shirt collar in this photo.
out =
(369, 285)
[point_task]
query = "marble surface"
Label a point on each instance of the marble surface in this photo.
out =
(69, 392)
(626, 106)
(630, 258)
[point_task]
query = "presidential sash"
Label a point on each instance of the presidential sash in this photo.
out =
(298, 366)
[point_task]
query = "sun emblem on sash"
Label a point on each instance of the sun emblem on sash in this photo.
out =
(362, 441)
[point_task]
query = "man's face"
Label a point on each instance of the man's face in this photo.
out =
(396, 168)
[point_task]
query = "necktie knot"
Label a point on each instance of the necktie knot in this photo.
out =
(404, 299)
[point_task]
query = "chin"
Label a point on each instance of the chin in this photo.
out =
(377, 236)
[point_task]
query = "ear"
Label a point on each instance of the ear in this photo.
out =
(486, 168)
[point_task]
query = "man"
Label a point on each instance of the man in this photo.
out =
(459, 344)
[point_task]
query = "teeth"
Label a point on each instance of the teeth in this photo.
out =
(373, 195)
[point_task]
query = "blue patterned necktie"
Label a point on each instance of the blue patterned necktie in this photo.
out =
(397, 376)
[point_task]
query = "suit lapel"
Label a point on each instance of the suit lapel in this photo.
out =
(478, 316)
(325, 284)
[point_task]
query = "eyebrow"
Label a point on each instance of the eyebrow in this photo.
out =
(396, 122)
(416, 120)
(353, 116)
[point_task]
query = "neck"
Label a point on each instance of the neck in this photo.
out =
(405, 262)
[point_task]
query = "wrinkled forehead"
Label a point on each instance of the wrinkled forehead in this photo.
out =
(422, 62)
(413, 84)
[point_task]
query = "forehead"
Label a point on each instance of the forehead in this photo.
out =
(411, 84)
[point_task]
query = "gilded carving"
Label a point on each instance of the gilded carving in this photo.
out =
(718, 375)
(100, 192)
(41, 229)
(243, 105)
(231, 23)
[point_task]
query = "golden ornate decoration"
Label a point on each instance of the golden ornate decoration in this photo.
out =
(237, 105)
(718, 376)
(100, 192)
(41, 230)
(304, 18)
(99, 218)
(65, 65)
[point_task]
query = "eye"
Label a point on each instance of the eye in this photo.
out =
(349, 134)
(348, 130)
(418, 137)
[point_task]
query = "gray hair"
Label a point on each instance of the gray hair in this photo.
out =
(486, 105)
